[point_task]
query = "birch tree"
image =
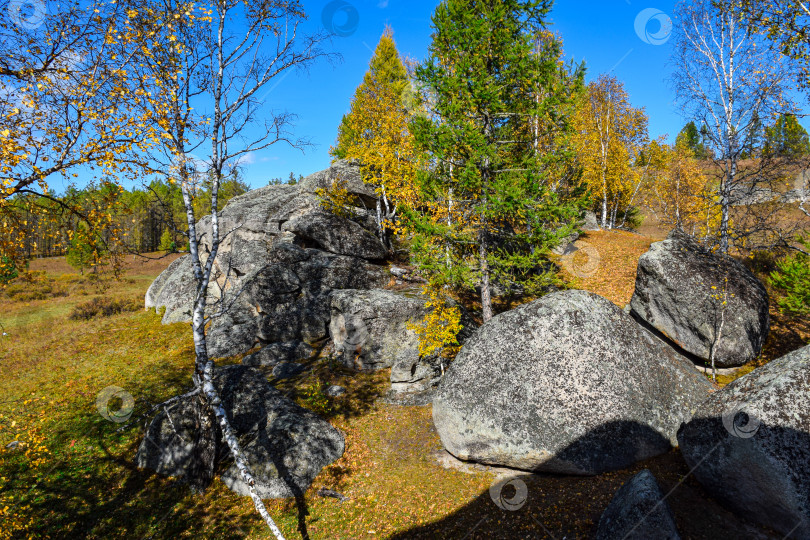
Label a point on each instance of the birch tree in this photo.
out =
(678, 192)
(727, 79)
(786, 23)
(64, 105)
(206, 68)
(610, 134)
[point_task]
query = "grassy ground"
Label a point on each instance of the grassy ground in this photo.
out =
(70, 473)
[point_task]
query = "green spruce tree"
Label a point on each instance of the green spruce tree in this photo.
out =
(693, 139)
(787, 138)
(499, 104)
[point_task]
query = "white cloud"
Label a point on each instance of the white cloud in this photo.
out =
(246, 159)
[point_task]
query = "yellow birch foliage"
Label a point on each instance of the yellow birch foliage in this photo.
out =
(337, 199)
(25, 425)
(609, 135)
(439, 329)
(680, 194)
(65, 103)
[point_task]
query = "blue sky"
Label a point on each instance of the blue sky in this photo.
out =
(602, 33)
(609, 35)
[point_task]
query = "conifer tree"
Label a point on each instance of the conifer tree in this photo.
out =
(376, 133)
(692, 139)
(386, 69)
(787, 138)
(491, 209)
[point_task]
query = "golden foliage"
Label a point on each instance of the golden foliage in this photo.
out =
(337, 199)
(609, 135)
(680, 193)
(28, 445)
(384, 146)
(438, 331)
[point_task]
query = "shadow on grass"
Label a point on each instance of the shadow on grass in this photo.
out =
(525, 505)
(90, 487)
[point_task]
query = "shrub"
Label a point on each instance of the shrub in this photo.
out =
(104, 307)
(439, 329)
(337, 199)
(314, 399)
(792, 278)
(8, 270)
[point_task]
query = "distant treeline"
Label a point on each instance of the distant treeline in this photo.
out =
(140, 220)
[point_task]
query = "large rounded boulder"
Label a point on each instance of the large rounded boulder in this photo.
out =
(701, 300)
(749, 445)
(566, 384)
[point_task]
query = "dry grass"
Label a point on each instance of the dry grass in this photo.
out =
(615, 274)
(84, 484)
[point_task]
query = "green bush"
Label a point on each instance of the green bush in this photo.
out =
(792, 279)
(314, 399)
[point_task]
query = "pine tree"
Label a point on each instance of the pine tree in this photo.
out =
(491, 207)
(787, 138)
(692, 139)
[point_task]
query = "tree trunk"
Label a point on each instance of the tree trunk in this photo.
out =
(486, 297)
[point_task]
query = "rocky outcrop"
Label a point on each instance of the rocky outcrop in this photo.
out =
(638, 511)
(286, 445)
(275, 353)
(280, 258)
(370, 331)
(173, 290)
(370, 328)
(749, 444)
(566, 384)
(590, 222)
(288, 299)
(680, 292)
(337, 235)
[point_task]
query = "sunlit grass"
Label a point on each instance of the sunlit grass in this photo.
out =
(71, 473)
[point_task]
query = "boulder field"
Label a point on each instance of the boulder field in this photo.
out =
(567, 384)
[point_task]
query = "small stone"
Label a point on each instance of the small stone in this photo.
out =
(335, 390)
